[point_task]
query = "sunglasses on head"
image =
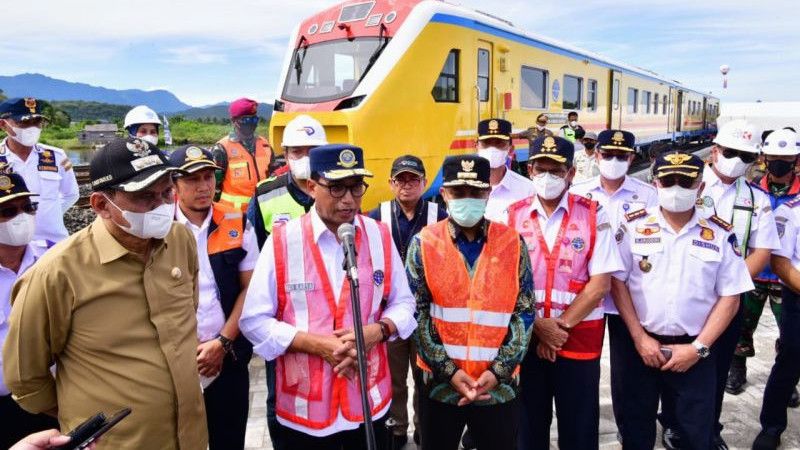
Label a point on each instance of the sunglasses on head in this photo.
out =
(746, 157)
(9, 212)
(671, 180)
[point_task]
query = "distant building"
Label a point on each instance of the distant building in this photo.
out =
(99, 134)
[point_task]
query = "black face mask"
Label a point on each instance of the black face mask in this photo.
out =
(589, 146)
(780, 168)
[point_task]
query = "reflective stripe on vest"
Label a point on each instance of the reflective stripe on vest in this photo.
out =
(278, 206)
(230, 229)
(569, 134)
(308, 391)
(387, 215)
(471, 315)
(560, 274)
(244, 171)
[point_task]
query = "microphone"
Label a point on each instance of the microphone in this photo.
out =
(347, 234)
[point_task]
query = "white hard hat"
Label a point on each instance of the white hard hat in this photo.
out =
(739, 135)
(139, 115)
(781, 143)
(304, 131)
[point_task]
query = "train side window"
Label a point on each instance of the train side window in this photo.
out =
(633, 101)
(615, 95)
(533, 89)
(446, 87)
(646, 102)
(483, 73)
(572, 92)
(664, 107)
(655, 103)
(591, 96)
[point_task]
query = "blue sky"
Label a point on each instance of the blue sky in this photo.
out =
(206, 51)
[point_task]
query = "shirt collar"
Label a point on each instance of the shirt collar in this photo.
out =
(506, 181)
(536, 205)
(182, 219)
(28, 258)
(711, 179)
(319, 227)
(693, 222)
(107, 246)
(297, 194)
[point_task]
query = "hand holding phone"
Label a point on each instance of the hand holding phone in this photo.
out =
(90, 430)
(666, 352)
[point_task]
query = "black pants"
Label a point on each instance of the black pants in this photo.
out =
(786, 371)
(691, 395)
(722, 355)
(275, 429)
(493, 427)
(621, 346)
(344, 440)
(575, 387)
(227, 402)
(16, 423)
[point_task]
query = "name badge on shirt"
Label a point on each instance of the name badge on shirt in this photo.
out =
(291, 287)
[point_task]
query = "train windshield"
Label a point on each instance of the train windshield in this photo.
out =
(330, 70)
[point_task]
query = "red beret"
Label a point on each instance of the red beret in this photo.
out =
(243, 107)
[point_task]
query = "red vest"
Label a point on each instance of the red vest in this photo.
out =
(471, 315)
(560, 274)
(308, 391)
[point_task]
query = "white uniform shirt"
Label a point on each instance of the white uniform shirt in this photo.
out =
(511, 189)
(788, 221)
(585, 166)
(763, 233)
(58, 191)
(689, 271)
(631, 196)
(271, 337)
(605, 256)
(7, 279)
(210, 317)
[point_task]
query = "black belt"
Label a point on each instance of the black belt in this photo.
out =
(672, 340)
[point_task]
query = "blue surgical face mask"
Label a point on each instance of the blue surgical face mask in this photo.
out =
(466, 212)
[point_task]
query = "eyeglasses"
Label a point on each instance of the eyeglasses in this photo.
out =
(339, 190)
(672, 180)
(610, 156)
(9, 212)
(746, 157)
(410, 182)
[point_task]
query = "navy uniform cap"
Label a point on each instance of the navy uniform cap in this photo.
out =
(12, 185)
(616, 140)
(19, 109)
(556, 148)
(466, 170)
(338, 161)
(677, 163)
(191, 158)
(494, 129)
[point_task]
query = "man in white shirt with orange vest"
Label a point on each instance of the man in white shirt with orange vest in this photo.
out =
(573, 255)
(495, 143)
(618, 194)
(300, 311)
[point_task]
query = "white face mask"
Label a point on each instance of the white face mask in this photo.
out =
(677, 199)
(301, 168)
(573, 123)
(151, 224)
(548, 186)
(612, 169)
(153, 140)
(497, 158)
(18, 231)
(27, 137)
(731, 168)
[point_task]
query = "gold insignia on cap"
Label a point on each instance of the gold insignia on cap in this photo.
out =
(6, 184)
(139, 148)
(467, 165)
(677, 158)
(194, 153)
(549, 145)
(493, 126)
(618, 138)
(347, 158)
(30, 103)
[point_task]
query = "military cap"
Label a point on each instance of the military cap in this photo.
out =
(338, 161)
(556, 148)
(616, 140)
(494, 128)
(128, 164)
(677, 163)
(466, 170)
(19, 109)
(12, 185)
(191, 159)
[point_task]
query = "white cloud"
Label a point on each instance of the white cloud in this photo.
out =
(193, 54)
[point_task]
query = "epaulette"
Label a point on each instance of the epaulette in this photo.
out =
(793, 202)
(52, 149)
(722, 224)
(638, 214)
(271, 183)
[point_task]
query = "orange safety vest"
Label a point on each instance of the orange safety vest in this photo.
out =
(244, 171)
(471, 315)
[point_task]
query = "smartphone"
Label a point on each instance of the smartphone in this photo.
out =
(667, 352)
(90, 430)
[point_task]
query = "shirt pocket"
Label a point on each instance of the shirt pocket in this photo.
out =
(50, 184)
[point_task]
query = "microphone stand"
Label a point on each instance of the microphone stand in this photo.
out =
(361, 352)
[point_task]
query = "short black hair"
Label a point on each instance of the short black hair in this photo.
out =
(572, 113)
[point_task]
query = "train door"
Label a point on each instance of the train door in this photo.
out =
(679, 112)
(705, 113)
(484, 94)
(614, 119)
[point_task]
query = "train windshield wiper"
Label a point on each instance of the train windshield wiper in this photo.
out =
(298, 60)
(384, 40)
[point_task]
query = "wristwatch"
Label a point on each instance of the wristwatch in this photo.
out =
(227, 344)
(702, 349)
(386, 332)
